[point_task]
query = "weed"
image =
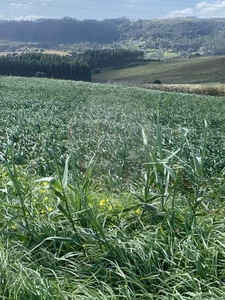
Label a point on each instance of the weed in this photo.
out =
(110, 192)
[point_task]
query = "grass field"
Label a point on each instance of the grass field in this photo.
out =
(110, 192)
(46, 51)
(177, 71)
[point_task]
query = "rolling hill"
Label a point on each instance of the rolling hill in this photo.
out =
(155, 37)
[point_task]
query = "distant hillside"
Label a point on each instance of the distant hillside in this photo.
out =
(206, 36)
(52, 32)
(171, 36)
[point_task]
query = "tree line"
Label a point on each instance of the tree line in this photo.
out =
(52, 32)
(114, 57)
(39, 64)
(66, 67)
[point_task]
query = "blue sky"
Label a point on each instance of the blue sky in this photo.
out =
(103, 9)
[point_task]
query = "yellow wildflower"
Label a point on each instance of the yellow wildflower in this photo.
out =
(138, 211)
(103, 202)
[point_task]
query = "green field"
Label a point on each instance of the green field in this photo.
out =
(176, 71)
(110, 192)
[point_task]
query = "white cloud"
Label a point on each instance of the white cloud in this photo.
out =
(204, 9)
(19, 5)
(212, 9)
(181, 13)
(39, 2)
(31, 3)
(131, 3)
(30, 18)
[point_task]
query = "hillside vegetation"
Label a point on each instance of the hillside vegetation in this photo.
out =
(175, 51)
(201, 75)
(158, 38)
(110, 192)
(188, 70)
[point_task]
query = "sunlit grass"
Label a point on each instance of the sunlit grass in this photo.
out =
(200, 89)
(110, 193)
(170, 71)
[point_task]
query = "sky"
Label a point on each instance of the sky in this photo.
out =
(109, 9)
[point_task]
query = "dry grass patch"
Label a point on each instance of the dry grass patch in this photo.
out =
(46, 51)
(201, 89)
(57, 52)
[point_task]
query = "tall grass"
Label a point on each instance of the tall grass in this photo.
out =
(167, 246)
(78, 233)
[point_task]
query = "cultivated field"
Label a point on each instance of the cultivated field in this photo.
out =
(199, 70)
(110, 192)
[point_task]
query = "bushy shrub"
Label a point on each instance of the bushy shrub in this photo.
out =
(96, 71)
(157, 81)
(40, 74)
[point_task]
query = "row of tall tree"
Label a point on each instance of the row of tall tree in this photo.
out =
(114, 57)
(65, 67)
(39, 64)
(59, 31)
